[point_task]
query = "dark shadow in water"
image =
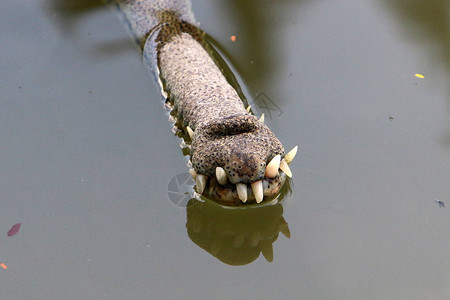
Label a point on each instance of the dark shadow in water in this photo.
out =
(427, 23)
(69, 11)
(116, 47)
(262, 38)
(235, 236)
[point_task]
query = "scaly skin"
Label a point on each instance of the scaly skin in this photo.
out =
(225, 134)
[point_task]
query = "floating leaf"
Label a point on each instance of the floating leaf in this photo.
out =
(14, 229)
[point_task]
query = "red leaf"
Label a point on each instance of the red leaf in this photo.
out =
(14, 229)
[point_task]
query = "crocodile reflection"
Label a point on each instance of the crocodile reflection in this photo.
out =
(235, 236)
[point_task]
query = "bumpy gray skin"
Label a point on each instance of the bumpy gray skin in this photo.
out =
(225, 135)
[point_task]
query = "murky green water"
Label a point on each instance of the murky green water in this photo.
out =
(87, 154)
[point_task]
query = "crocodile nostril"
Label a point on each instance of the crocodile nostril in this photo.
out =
(232, 125)
(246, 167)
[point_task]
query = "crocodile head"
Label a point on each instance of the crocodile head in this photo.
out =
(238, 158)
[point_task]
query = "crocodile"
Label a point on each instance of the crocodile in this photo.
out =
(234, 157)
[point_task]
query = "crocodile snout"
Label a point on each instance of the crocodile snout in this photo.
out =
(240, 155)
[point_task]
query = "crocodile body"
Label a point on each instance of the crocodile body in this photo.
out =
(223, 135)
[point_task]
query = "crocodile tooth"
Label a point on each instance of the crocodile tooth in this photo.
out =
(261, 119)
(267, 250)
(257, 188)
(221, 176)
(273, 166)
(248, 108)
(193, 173)
(285, 168)
(285, 230)
(190, 132)
(200, 181)
(242, 191)
(290, 156)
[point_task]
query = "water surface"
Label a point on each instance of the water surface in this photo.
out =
(87, 153)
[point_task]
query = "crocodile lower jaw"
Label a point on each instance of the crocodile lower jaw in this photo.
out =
(235, 194)
(219, 187)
